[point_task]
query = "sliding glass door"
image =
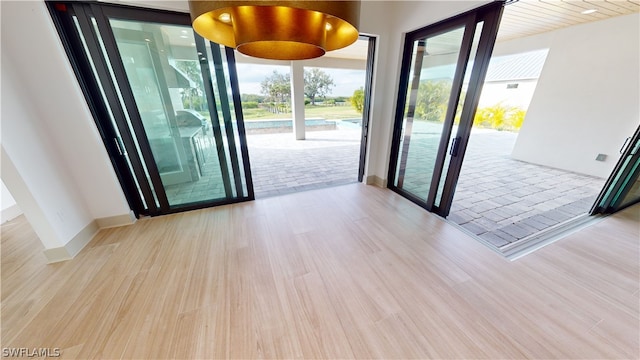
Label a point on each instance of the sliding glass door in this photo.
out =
(623, 186)
(434, 111)
(146, 77)
(162, 99)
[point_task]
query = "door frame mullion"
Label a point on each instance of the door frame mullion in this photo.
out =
(226, 115)
(213, 111)
(237, 106)
(366, 108)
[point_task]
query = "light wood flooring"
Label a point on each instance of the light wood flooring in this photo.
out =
(348, 272)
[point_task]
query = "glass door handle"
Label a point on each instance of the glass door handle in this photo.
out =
(624, 144)
(453, 151)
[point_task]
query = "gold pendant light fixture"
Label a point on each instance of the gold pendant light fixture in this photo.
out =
(278, 30)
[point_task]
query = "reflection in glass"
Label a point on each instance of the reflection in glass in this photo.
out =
(433, 67)
(163, 69)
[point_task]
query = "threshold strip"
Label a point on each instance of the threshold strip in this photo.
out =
(542, 238)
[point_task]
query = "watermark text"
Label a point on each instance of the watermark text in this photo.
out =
(23, 352)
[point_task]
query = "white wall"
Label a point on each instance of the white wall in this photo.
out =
(10, 209)
(587, 99)
(53, 160)
(34, 169)
(6, 198)
(55, 96)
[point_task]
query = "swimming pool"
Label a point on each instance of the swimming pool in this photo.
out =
(286, 125)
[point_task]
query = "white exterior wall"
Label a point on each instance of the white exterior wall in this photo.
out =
(497, 92)
(588, 97)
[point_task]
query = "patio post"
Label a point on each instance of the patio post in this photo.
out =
(297, 99)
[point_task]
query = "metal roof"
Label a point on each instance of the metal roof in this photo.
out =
(521, 66)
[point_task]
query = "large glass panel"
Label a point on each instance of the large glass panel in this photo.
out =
(433, 67)
(163, 70)
(631, 190)
(623, 188)
(463, 93)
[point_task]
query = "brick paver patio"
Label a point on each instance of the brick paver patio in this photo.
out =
(280, 164)
(503, 200)
(499, 199)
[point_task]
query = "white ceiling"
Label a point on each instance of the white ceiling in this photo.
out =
(530, 17)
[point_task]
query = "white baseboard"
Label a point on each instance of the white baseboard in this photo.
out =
(84, 237)
(10, 213)
(115, 221)
(73, 247)
(375, 180)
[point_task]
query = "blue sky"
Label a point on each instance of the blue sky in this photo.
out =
(251, 75)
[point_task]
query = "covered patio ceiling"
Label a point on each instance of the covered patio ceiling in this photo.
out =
(530, 17)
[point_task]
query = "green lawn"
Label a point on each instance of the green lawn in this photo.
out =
(310, 111)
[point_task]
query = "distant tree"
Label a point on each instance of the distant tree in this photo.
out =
(433, 97)
(357, 100)
(249, 104)
(317, 83)
(277, 88)
(252, 98)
